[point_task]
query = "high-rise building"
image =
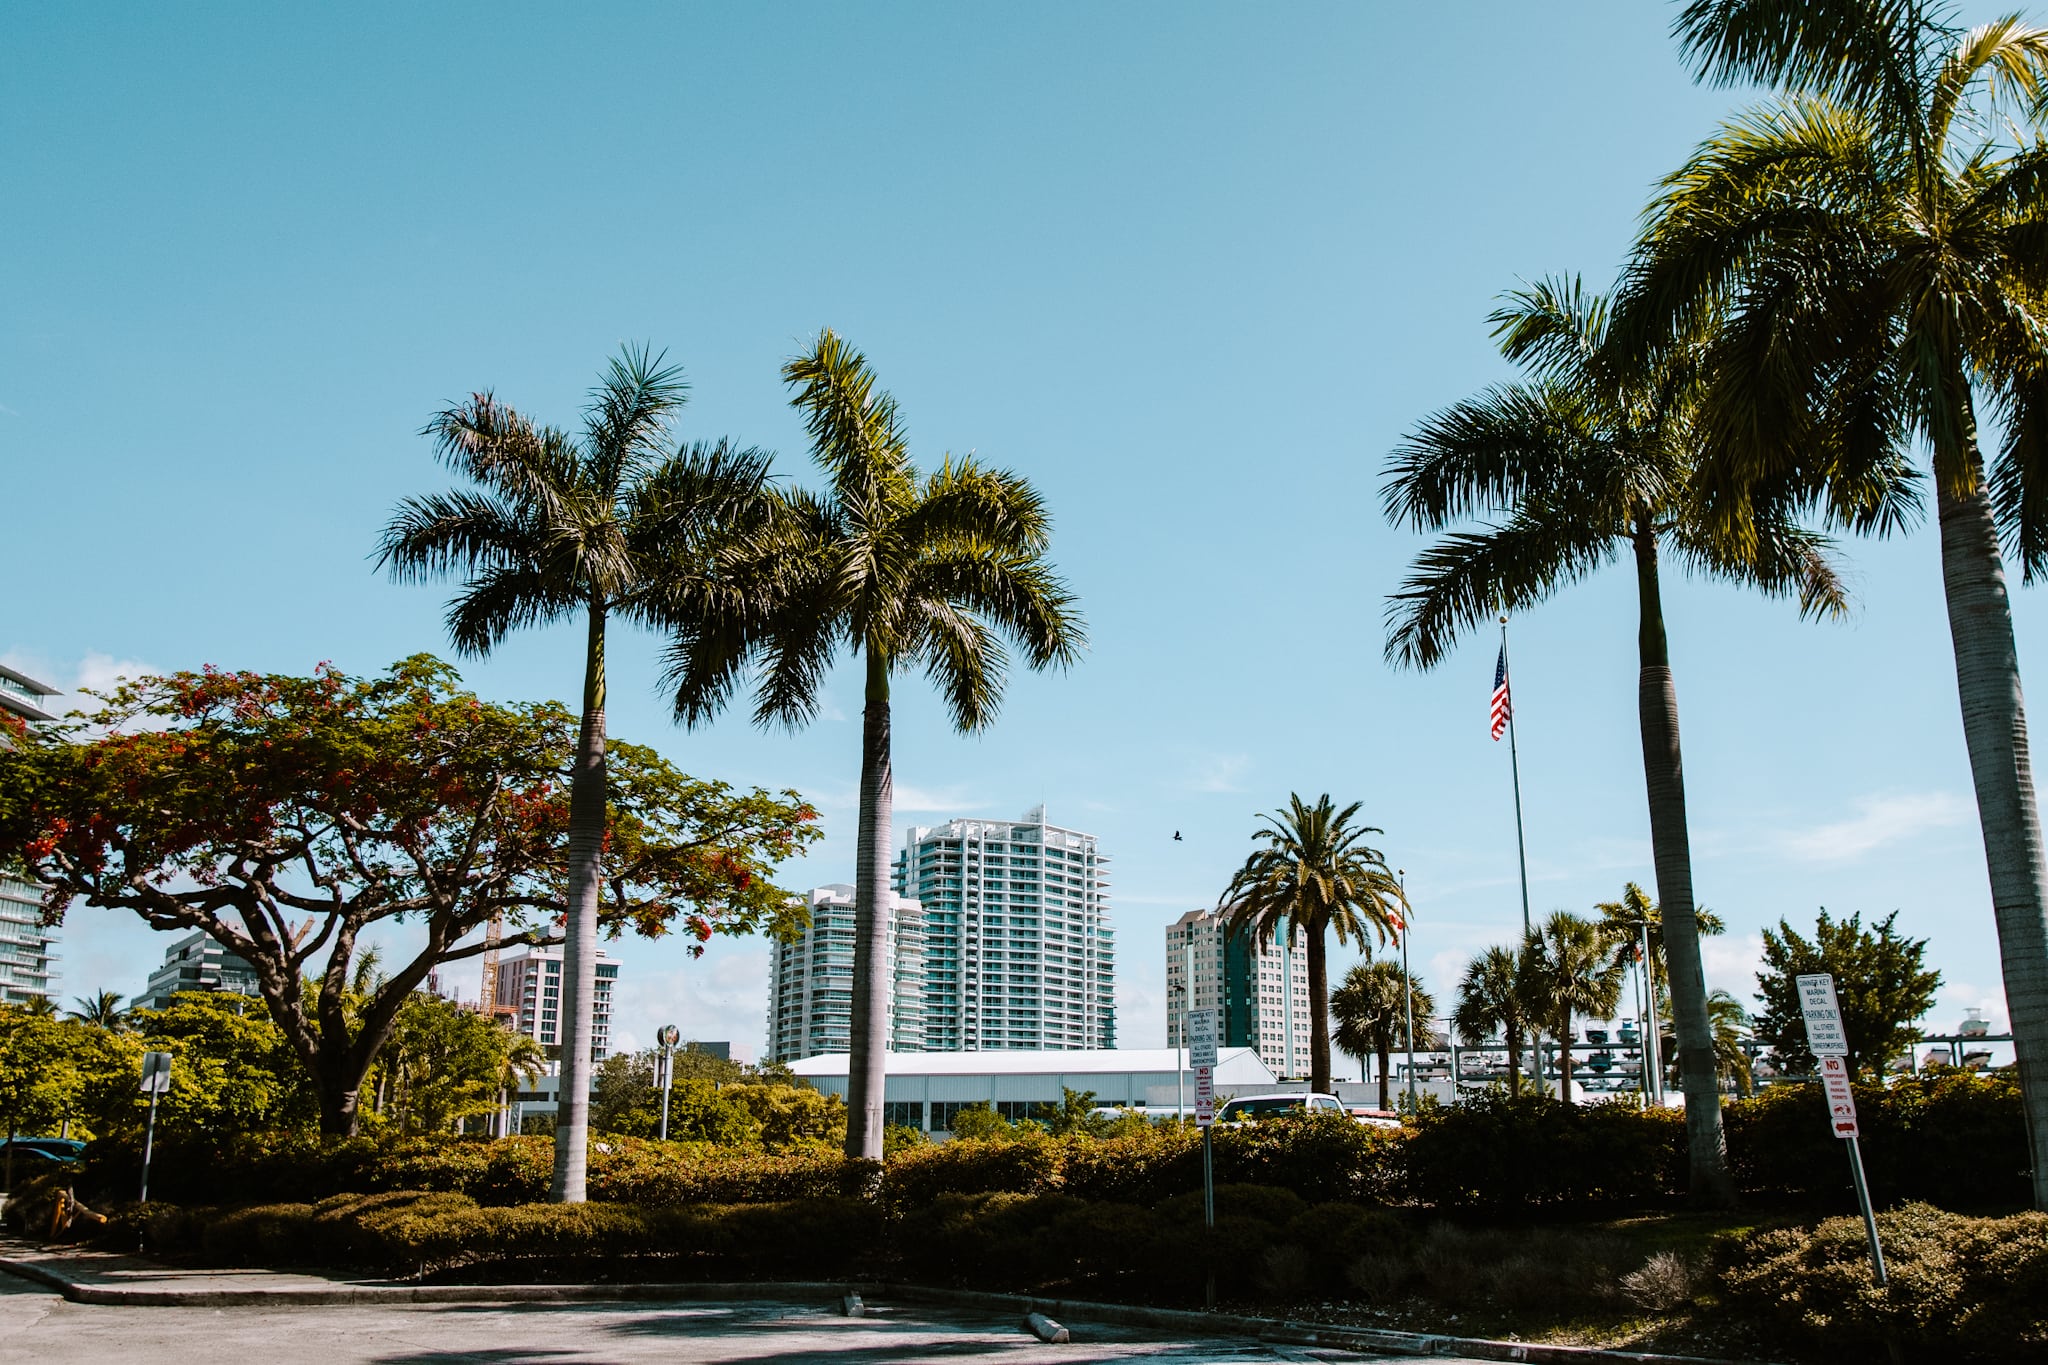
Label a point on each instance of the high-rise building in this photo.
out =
(197, 963)
(28, 948)
(1262, 989)
(530, 998)
(810, 1006)
(1018, 948)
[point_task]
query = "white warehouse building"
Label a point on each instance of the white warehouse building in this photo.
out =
(925, 1089)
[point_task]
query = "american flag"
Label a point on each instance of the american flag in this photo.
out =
(1502, 707)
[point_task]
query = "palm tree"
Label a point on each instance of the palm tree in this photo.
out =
(1870, 265)
(524, 1061)
(617, 521)
(1581, 468)
(1314, 872)
(1491, 998)
(906, 571)
(101, 1011)
(1372, 1012)
(1731, 1032)
(1570, 973)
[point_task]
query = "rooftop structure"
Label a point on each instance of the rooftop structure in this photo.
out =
(1260, 987)
(1019, 953)
(530, 998)
(197, 963)
(810, 1005)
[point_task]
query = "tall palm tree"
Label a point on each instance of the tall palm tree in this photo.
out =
(620, 520)
(102, 1010)
(1491, 998)
(1372, 1010)
(1571, 973)
(1871, 264)
(1313, 872)
(1569, 471)
(906, 571)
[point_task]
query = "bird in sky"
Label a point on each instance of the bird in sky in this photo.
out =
(1176, 836)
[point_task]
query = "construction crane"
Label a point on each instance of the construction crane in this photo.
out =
(487, 999)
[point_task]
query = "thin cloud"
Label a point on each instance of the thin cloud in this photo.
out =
(1880, 820)
(1220, 773)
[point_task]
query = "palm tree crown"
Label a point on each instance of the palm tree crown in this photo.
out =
(1570, 973)
(102, 1010)
(1492, 1000)
(1313, 872)
(1372, 1008)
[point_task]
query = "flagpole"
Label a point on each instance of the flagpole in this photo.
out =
(1515, 769)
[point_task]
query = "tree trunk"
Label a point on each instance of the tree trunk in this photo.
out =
(587, 803)
(1386, 1061)
(2001, 767)
(867, 1066)
(1318, 1012)
(1671, 851)
(1514, 1041)
(340, 1101)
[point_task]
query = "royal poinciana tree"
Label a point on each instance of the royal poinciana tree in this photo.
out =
(293, 818)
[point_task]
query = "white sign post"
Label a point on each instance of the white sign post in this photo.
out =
(1202, 1056)
(156, 1080)
(1829, 1043)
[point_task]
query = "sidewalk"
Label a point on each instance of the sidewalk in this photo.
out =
(104, 1278)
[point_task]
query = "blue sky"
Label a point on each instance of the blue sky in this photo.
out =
(1192, 269)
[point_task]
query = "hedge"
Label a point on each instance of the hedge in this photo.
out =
(1953, 1140)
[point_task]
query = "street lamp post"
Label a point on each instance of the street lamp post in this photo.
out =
(665, 1068)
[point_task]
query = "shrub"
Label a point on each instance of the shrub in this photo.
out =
(1959, 1286)
(1026, 1164)
(1948, 1138)
(1493, 1151)
(1662, 1283)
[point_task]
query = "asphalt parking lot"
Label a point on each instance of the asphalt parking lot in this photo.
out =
(39, 1325)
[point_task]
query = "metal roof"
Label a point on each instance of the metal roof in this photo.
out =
(1115, 1061)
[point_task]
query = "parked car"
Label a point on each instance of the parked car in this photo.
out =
(1252, 1108)
(35, 1155)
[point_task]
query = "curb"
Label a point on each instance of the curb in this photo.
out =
(1276, 1330)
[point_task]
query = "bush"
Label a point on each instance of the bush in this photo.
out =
(1948, 1138)
(1960, 1287)
(1493, 1151)
(1029, 1163)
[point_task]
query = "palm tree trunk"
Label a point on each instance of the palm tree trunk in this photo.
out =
(1514, 1041)
(2001, 767)
(1386, 1051)
(587, 800)
(1318, 1012)
(867, 1066)
(1671, 851)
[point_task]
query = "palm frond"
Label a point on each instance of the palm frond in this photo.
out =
(1466, 577)
(1511, 444)
(1554, 328)
(438, 533)
(500, 599)
(626, 422)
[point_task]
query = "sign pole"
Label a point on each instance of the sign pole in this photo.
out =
(156, 1079)
(1829, 1044)
(1869, 1218)
(1202, 1053)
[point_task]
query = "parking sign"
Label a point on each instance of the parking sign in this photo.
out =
(1834, 1076)
(1823, 1013)
(1205, 1096)
(1201, 1038)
